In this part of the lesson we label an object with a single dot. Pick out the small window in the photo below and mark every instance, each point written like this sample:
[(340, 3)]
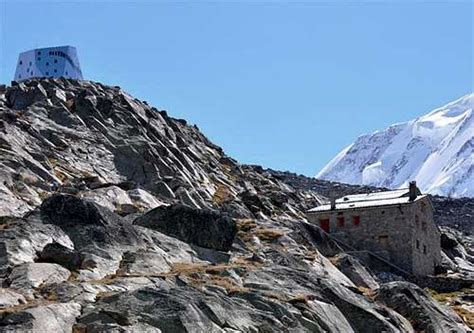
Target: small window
[(67, 73), (340, 221), (47, 73), (30, 63), (383, 240), (423, 225), (19, 76), (47, 63), (55, 70), (417, 244), (382, 212), (355, 220), (39, 52), (39, 58), (424, 249), (324, 224), (55, 61), (21, 62)]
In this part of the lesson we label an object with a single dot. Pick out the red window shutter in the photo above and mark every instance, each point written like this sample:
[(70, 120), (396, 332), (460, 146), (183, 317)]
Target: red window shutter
[(356, 220), (340, 221), (324, 224)]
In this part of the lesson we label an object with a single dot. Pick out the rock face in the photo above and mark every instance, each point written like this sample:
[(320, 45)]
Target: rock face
[(355, 271), (25, 278), (115, 217), (202, 227), (415, 304), (59, 317), (10, 298)]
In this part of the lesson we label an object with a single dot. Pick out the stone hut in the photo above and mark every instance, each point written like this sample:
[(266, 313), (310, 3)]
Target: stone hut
[(397, 225)]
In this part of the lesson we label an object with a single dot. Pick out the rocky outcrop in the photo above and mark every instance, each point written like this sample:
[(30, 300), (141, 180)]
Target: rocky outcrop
[(423, 312), (104, 243), (22, 239), (59, 317), (9, 298), (202, 227), (118, 217), (355, 271), (26, 277)]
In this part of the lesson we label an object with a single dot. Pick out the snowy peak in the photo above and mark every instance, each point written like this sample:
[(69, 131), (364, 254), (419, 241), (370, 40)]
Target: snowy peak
[(436, 150)]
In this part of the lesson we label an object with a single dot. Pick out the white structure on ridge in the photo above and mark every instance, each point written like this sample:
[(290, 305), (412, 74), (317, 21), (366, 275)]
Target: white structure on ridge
[(49, 62)]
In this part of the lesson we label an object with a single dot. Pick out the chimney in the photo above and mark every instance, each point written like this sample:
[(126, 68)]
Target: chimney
[(413, 191), (333, 203)]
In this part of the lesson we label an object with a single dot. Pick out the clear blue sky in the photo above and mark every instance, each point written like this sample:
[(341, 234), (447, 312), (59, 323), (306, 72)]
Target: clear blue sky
[(282, 84)]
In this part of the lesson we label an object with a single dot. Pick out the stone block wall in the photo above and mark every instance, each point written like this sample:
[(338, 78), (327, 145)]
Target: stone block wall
[(389, 229)]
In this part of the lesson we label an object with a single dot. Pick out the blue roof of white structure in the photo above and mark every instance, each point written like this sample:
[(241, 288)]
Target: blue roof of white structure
[(388, 198)]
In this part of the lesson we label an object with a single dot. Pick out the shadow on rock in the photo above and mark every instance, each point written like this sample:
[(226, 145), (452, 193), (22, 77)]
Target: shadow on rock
[(201, 227)]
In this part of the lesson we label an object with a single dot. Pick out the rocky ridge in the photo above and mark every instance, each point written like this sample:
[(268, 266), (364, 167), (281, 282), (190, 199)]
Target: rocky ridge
[(117, 217)]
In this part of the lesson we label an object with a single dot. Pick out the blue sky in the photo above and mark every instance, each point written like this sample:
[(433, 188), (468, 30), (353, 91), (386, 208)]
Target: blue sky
[(282, 84)]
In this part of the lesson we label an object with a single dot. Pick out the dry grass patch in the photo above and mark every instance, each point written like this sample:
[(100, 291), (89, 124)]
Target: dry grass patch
[(217, 269), (187, 268), (269, 234), (311, 256), (61, 175), (448, 298), (53, 161), (22, 307), (466, 315), (103, 294), (224, 282), (221, 195), (73, 277), (248, 229), (367, 292), (299, 299), (43, 195), (246, 225)]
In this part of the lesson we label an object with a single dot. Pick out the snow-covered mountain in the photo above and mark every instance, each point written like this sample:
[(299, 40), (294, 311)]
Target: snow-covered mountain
[(436, 150)]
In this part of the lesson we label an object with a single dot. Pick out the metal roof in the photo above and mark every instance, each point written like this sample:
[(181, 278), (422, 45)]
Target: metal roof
[(397, 197), (374, 196)]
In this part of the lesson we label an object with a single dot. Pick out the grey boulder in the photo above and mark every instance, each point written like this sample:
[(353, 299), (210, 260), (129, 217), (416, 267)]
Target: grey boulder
[(415, 304), (27, 277), (354, 270), (10, 298), (201, 227), (58, 318)]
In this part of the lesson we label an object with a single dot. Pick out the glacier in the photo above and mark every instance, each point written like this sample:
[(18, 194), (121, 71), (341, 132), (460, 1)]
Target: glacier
[(436, 150)]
